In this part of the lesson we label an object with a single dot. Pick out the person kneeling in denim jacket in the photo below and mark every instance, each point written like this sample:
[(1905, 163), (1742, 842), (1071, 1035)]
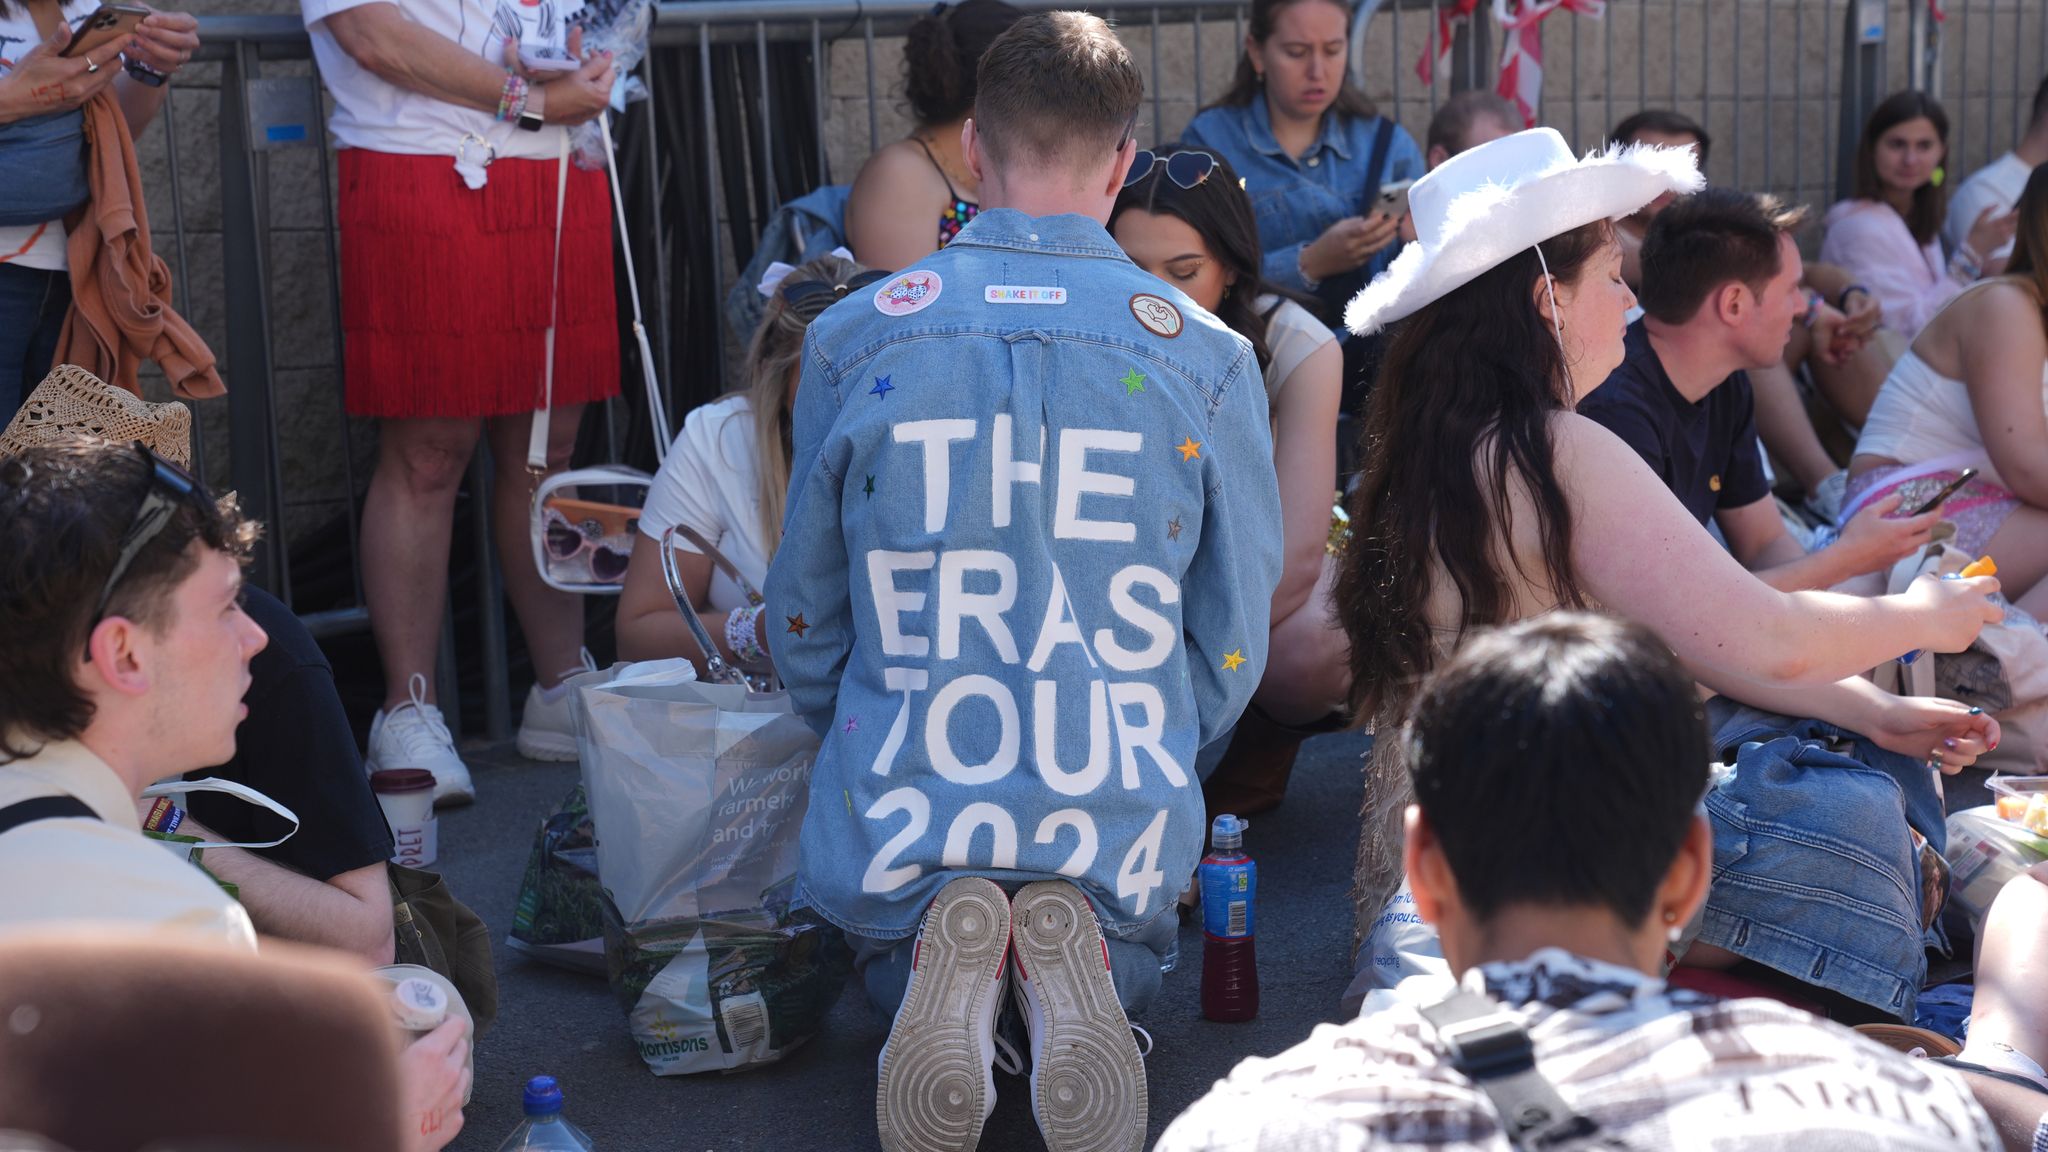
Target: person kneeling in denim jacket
[(1032, 540)]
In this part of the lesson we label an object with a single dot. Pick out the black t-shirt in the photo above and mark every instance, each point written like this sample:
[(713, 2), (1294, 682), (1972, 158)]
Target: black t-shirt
[(296, 748), (1706, 453)]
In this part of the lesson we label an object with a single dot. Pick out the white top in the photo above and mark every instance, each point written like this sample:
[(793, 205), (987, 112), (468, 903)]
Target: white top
[(1922, 415), (1292, 333), (104, 870), (708, 483), (38, 245), (382, 117), (1996, 185)]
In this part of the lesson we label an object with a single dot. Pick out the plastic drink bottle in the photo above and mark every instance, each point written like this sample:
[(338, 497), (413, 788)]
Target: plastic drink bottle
[(544, 1130), (1230, 966)]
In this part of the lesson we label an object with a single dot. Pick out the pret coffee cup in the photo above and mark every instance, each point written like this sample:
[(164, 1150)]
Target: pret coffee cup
[(407, 797)]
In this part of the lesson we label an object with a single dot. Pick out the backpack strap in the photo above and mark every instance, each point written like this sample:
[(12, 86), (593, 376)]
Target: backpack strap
[(44, 808), (1489, 1046), (1376, 163)]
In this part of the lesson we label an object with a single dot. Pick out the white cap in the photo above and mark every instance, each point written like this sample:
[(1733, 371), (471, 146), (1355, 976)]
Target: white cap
[(419, 1004)]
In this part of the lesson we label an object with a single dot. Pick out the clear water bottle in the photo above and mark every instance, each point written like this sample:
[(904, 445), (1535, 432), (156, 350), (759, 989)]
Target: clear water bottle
[(1230, 965), (544, 1129)]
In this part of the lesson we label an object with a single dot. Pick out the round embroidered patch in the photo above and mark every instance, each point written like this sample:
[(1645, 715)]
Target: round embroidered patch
[(913, 291), (1157, 314)]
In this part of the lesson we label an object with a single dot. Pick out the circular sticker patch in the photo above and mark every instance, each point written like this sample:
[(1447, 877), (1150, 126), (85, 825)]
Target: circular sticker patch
[(913, 291), (1157, 314)]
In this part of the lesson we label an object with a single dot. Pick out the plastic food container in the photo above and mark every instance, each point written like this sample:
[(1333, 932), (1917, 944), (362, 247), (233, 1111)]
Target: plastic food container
[(2023, 800), (1984, 853)]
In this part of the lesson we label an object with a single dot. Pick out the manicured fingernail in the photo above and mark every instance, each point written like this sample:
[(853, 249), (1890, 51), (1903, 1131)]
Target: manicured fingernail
[(1949, 743), (1976, 711)]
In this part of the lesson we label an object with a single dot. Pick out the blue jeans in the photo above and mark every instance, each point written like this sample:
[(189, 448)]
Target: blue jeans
[(884, 965), (32, 306)]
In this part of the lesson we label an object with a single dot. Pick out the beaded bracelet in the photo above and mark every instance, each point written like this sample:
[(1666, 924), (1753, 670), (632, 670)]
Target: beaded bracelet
[(512, 101), (742, 636), (164, 817), (1966, 264)]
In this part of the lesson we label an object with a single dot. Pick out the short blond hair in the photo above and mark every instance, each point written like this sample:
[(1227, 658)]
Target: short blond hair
[(1057, 89)]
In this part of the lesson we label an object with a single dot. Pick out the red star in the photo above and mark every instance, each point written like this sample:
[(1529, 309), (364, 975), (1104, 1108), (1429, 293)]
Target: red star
[(797, 627)]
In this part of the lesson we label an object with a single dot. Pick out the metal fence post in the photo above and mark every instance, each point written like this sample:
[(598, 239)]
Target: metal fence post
[(1863, 79), (252, 463)]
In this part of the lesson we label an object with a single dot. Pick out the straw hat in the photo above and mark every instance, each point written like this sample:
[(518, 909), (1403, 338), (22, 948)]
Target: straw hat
[(1485, 204), (73, 402)]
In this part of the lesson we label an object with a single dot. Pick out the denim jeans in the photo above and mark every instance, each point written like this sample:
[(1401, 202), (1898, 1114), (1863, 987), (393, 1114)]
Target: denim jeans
[(32, 306)]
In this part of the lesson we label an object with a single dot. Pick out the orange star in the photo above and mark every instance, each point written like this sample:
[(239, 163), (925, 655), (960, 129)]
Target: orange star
[(1232, 660), (797, 625), (1189, 448)]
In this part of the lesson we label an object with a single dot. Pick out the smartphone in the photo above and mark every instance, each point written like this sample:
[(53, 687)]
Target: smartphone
[(1392, 201), (1967, 475), (539, 60), (108, 24)]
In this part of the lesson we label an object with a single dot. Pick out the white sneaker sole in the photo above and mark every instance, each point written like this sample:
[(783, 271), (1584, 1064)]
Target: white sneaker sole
[(932, 1091), (1087, 1078), (554, 747)]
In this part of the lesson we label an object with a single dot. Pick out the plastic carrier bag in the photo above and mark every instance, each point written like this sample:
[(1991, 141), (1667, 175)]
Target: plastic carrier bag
[(560, 915), (697, 793)]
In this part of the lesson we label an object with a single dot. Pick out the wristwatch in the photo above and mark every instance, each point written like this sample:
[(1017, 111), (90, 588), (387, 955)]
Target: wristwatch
[(530, 120)]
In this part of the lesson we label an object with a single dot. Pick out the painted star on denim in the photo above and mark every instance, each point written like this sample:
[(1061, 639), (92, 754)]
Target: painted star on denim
[(797, 627), (853, 723), (1232, 660), (869, 488), (1173, 528), (1189, 448), (1133, 381), (882, 387)]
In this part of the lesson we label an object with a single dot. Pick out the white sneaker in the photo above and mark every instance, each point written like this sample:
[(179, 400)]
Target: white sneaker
[(413, 735), (1087, 1075), (547, 728), (935, 1087)]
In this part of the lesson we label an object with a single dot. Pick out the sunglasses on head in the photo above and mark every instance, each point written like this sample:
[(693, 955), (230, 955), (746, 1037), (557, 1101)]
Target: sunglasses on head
[(813, 296), (169, 487), (608, 555), (1187, 169)]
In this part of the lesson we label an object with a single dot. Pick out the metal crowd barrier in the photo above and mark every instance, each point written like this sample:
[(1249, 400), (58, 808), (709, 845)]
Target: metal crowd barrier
[(1785, 110)]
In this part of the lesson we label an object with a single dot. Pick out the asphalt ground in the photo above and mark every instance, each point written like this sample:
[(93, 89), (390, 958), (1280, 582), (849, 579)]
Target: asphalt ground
[(569, 1026)]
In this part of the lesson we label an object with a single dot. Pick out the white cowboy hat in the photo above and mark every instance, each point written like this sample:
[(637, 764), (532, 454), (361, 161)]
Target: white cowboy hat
[(1487, 203)]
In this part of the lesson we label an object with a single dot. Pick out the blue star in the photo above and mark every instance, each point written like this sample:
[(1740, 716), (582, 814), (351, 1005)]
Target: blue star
[(882, 387)]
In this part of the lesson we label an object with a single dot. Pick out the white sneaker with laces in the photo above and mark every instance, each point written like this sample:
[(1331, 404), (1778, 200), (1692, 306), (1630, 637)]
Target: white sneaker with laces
[(935, 1087), (413, 735), (547, 728), (1087, 1075)]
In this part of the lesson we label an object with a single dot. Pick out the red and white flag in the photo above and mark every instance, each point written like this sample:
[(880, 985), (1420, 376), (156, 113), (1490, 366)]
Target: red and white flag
[(1521, 56), (1438, 52)]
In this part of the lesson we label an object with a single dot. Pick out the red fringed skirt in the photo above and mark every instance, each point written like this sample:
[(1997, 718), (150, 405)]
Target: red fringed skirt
[(445, 291)]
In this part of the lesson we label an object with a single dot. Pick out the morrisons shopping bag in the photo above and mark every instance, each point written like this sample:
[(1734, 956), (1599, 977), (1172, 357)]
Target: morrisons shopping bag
[(697, 793), (560, 917)]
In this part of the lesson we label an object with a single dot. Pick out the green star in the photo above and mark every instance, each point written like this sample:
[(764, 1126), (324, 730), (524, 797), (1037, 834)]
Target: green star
[(1133, 381), (870, 488)]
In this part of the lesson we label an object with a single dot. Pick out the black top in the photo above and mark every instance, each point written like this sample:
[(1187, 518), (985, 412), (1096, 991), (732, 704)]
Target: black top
[(1706, 453), (296, 747)]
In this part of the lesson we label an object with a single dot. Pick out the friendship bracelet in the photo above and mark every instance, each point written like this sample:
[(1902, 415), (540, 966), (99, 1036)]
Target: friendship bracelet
[(164, 817), (512, 101), (1842, 301)]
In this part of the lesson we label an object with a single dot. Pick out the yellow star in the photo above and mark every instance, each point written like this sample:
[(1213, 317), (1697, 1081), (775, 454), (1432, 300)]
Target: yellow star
[(1232, 660), (1189, 448)]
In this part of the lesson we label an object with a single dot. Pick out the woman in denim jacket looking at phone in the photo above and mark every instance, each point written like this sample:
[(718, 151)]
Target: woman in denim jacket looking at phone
[(43, 152), (1305, 141)]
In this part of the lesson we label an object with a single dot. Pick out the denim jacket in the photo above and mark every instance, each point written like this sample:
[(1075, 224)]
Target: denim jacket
[(1815, 872), (1297, 198), (1032, 536)]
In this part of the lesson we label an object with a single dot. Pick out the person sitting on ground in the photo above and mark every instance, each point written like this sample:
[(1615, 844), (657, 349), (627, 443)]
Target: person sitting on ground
[(1184, 219), (726, 478), (1487, 499), (1019, 434), (1311, 147), (1557, 844), (1886, 237), (1969, 393), (1996, 187), (912, 197), (1720, 295), (1664, 128), (132, 670)]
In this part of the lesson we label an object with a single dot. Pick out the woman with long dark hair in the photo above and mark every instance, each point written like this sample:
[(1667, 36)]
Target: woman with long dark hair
[(1888, 236), (1183, 218), (914, 195), (1311, 147), (1487, 499)]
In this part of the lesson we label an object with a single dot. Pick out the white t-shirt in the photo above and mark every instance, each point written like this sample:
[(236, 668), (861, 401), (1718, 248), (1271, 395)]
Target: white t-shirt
[(708, 483), (382, 117), (34, 245), (1997, 184), (1292, 333)]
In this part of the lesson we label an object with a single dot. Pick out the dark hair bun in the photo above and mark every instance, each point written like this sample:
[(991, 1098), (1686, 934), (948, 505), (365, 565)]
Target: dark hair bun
[(941, 52)]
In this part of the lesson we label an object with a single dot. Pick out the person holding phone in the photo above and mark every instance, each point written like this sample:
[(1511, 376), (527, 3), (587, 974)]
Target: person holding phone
[(451, 118), (1313, 150), (1960, 399), (45, 81)]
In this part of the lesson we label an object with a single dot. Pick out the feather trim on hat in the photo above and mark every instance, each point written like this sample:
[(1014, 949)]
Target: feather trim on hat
[(1484, 210)]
